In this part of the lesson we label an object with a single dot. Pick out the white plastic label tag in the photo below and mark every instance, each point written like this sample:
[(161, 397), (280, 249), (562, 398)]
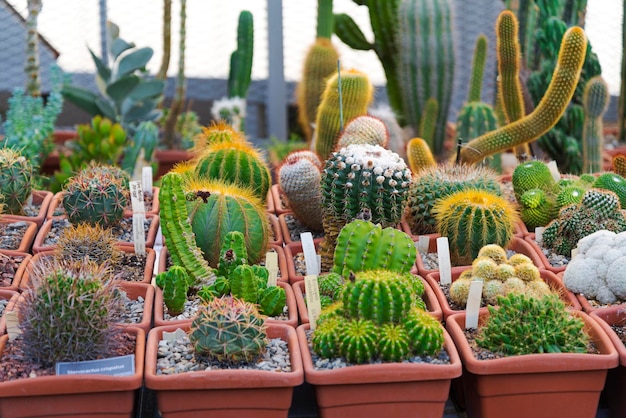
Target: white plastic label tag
[(313, 304), (423, 243), (443, 255), (271, 264), (472, 308), (310, 255), (146, 178)]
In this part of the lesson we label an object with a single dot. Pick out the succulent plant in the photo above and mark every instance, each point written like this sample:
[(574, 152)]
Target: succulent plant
[(619, 165), (419, 155), (596, 99), (86, 241), (16, 180), (613, 182), (216, 133), (364, 129), (175, 283)]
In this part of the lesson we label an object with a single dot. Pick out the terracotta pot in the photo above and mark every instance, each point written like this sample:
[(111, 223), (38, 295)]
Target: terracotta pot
[(550, 278), (19, 272), (56, 211), (26, 241), (381, 390), (279, 207), (292, 310), (517, 244), (291, 252), (146, 291), (42, 198), (585, 304), (74, 395), (51, 163), (167, 159), (534, 385), (530, 238), (277, 233), (287, 236), (615, 386), (225, 393), (9, 296)]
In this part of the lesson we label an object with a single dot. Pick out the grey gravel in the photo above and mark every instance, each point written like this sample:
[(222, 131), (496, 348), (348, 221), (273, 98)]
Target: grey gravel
[(122, 232), (133, 309), (555, 260), (296, 227)]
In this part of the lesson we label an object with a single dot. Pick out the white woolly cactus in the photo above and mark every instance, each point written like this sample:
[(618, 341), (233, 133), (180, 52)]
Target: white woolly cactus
[(598, 270)]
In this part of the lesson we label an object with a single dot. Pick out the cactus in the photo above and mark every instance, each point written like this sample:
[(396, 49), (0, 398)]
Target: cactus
[(95, 196), (547, 112), (73, 306), (85, 241), (536, 192), (331, 285), (619, 165), (216, 133), (425, 26), (357, 93), (595, 101), (363, 129), (17, 178), (361, 245), (613, 182), (101, 141), (397, 139), (229, 330), (357, 179), (241, 59), (31, 68), (527, 325), (424, 331), (232, 254), (394, 342), (437, 182), (472, 219), (237, 163), (174, 283), (419, 155), (509, 63), (299, 177)]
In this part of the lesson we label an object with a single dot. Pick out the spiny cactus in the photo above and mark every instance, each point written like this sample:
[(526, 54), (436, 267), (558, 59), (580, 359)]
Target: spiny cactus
[(299, 177), (74, 307), (419, 155), (471, 219), (174, 283), (536, 193), (424, 332), (356, 92), (232, 254), (16, 180), (216, 133), (241, 59), (509, 63), (619, 165), (95, 196), (613, 182), (397, 139), (364, 129), (228, 329), (595, 101), (357, 179), (437, 182), (85, 241), (527, 325)]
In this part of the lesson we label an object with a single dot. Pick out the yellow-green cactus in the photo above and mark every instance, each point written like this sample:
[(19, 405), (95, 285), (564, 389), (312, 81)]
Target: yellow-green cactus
[(419, 155)]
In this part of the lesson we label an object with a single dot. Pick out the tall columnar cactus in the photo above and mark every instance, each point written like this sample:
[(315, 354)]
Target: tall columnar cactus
[(175, 283), (595, 101), (357, 179), (419, 155), (434, 183), (299, 177), (241, 59), (364, 129), (361, 245), (425, 59), (547, 112), (228, 329), (95, 196), (472, 219), (237, 163), (356, 92), (31, 68), (17, 177)]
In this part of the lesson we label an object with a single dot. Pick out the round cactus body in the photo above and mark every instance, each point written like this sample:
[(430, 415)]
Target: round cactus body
[(364, 129), (613, 182), (16, 180), (425, 332)]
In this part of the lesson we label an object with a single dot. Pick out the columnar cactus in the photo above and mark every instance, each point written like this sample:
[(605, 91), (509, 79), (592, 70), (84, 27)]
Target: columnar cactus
[(175, 283), (419, 155), (241, 59), (364, 129), (595, 101), (16, 180)]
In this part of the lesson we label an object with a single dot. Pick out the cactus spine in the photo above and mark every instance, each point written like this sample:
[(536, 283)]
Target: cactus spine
[(595, 101), (17, 177), (174, 283), (425, 26), (84, 241)]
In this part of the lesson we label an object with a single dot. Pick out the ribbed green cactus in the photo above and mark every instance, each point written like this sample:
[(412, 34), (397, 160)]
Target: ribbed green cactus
[(241, 59), (364, 129), (16, 180), (536, 192), (237, 163), (174, 283), (595, 101), (509, 64), (613, 182), (95, 196), (217, 132), (547, 112), (228, 329), (532, 175), (244, 283), (436, 182), (232, 254), (362, 245), (472, 219), (419, 156), (299, 177), (357, 179), (356, 92), (425, 56), (424, 332)]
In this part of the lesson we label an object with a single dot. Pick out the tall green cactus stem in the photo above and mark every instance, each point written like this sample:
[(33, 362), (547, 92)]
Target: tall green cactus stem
[(357, 93), (244, 283), (167, 40), (425, 26), (509, 63), (478, 69), (595, 101), (174, 283), (299, 178), (241, 59), (237, 163), (472, 219), (419, 155), (357, 179), (362, 245), (428, 121), (16, 180), (176, 227), (547, 112), (364, 129), (31, 68)]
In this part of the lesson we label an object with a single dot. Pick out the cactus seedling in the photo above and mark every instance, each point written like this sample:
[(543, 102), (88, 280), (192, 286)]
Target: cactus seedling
[(174, 283)]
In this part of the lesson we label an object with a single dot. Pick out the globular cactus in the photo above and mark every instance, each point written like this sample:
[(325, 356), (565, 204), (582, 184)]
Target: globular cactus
[(613, 182), (472, 219), (17, 178), (362, 245), (424, 332), (299, 177), (357, 179), (364, 129), (548, 111), (528, 325), (595, 101), (331, 285), (95, 196), (434, 183), (599, 209), (175, 283), (356, 92), (425, 26), (228, 329), (419, 155), (85, 241), (532, 175), (236, 163), (218, 132), (536, 193)]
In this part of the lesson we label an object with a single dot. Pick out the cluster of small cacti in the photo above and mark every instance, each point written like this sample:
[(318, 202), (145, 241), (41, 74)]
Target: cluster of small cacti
[(16, 180), (228, 329), (175, 284), (500, 275), (599, 209), (392, 326), (85, 241), (526, 325)]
